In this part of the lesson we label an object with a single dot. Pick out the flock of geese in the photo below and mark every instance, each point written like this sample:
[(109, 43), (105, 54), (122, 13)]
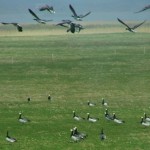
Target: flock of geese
[(75, 27), (70, 25), (77, 136)]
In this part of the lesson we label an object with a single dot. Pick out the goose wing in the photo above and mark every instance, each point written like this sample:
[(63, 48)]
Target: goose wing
[(33, 14), (123, 23), (136, 26), (73, 11), (145, 8), (82, 16)]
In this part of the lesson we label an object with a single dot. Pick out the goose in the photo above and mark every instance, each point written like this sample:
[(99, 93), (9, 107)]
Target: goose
[(131, 29), (48, 8), (91, 104), (116, 120), (19, 27), (23, 119), (75, 138), (37, 18), (28, 99), (146, 117), (79, 134), (10, 139), (90, 119), (75, 16), (77, 117), (64, 23), (49, 97), (103, 102), (72, 28), (107, 115), (143, 9), (144, 122), (102, 135)]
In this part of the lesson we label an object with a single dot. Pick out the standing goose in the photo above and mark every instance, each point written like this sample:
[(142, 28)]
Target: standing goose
[(146, 117), (102, 135), (90, 119), (143, 9), (36, 18), (144, 122), (48, 8), (107, 115), (79, 134), (10, 139), (77, 17), (19, 27), (91, 104), (75, 138), (23, 119), (131, 29), (49, 97), (28, 99), (103, 102), (116, 120), (75, 117)]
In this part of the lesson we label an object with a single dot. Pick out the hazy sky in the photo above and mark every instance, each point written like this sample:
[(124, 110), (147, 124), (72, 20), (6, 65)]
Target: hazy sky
[(17, 10)]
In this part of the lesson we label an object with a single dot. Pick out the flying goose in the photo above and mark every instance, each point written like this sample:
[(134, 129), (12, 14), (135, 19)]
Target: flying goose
[(144, 122), (37, 18), (103, 102), (77, 17), (77, 117), (107, 115), (48, 8), (79, 134), (143, 9), (146, 117), (23, 119), (116, 120), (75, 138), (102, 135), (90, 119), (131, 29), (72, 28), (64, 23), (91, 104), (10, 139), (19, 27)]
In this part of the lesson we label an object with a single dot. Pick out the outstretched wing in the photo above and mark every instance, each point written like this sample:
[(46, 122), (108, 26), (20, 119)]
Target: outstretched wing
[(123, 22), (33, 14), (145, 8), (73, 11), (5, 23), (85, 14), (136, 26)]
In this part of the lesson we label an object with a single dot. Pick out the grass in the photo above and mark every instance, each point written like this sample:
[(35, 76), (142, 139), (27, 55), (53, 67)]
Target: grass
[(74, 68)]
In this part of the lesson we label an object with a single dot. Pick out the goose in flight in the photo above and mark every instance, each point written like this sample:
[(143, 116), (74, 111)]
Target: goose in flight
[(43, 21), (143, 9), (131, 29), (77, 17), (48, 8), (19, 27)]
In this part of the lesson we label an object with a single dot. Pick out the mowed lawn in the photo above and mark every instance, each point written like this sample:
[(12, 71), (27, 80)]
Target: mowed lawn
[(74, 68)]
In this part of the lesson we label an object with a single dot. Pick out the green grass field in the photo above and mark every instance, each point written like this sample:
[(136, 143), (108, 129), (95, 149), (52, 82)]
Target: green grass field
[(97, 63)]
